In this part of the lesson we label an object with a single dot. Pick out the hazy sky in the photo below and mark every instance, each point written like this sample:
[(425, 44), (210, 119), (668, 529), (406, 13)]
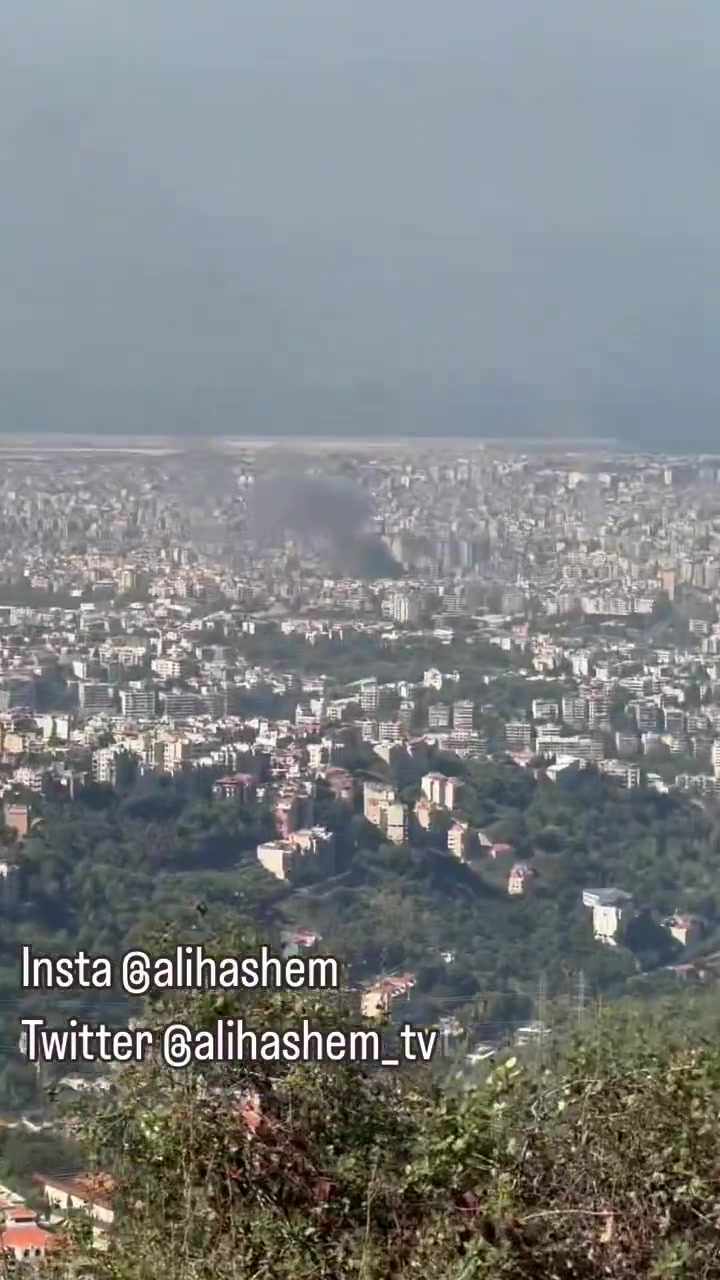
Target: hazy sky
[(277, 213)]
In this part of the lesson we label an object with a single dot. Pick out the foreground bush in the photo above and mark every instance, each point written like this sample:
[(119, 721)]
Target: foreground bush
[(603, 1164)]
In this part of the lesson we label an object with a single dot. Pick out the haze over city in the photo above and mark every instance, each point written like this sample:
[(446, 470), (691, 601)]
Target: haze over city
[(359, 640), (494, 219)]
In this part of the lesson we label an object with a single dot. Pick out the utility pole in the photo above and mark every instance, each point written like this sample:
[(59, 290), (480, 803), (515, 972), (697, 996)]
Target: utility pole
[(581, 996), (541, 1020)]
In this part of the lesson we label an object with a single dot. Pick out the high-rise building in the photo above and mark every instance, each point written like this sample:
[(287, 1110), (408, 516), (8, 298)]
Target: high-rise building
[(405, 608), (518, 733), (439, 716), (93, 695), (138, 702), (369, 695), (394, 820), (183, 706), (17, 691), (463, 715)]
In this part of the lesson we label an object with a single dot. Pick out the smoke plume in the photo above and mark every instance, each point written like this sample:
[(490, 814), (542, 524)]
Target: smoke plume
[(326, 514)]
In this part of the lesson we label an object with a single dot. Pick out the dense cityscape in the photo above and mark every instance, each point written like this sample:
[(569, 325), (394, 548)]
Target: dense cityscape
[(359, 641), (596, 575), (447, 711)]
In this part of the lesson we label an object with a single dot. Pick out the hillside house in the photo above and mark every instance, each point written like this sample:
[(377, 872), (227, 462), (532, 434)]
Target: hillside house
[(520, 879), (377, 999), (23, 1239), (609, 907)]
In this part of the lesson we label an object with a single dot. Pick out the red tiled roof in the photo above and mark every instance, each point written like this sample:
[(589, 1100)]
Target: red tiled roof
[(31, 1237), (19, 1214)]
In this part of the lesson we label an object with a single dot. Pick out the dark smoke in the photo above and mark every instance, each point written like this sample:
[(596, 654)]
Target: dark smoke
[(366, 556), (302, 504), (326, 515)]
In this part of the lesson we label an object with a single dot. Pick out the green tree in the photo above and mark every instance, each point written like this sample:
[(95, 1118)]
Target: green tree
[(597, 1160)]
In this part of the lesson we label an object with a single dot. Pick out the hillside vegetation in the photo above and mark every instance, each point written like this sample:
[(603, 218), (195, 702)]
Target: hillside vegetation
[(600, 1162), (97, 873)]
